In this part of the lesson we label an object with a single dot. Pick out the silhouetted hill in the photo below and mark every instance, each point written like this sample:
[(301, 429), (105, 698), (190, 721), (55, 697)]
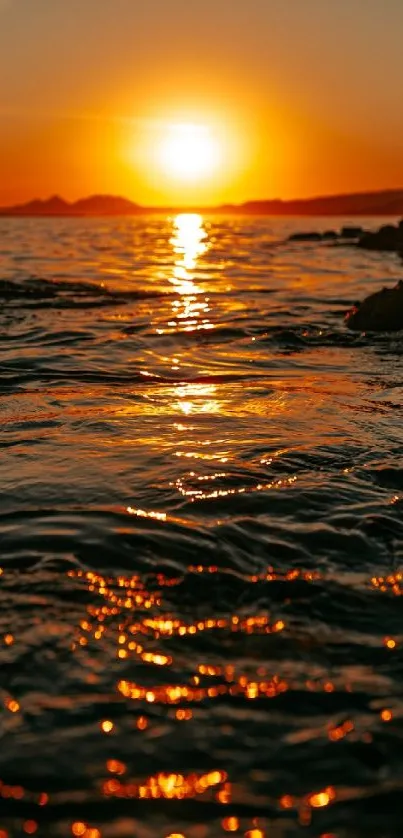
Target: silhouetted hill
[(94, 205), (389, 202), (386, 202), (52, 206), (105, 205)]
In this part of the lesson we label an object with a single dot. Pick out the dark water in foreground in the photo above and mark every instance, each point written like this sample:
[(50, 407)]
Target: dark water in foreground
[(201, 534)]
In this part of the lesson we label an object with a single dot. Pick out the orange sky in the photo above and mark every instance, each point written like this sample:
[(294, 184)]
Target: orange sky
[(303, 96)]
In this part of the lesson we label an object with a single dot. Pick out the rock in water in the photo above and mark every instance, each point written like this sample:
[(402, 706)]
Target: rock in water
[(380, 312), (305, 237), (351, 232), (387, 237)]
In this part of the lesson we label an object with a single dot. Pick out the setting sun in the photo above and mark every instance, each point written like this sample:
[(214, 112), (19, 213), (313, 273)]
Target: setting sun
[(189, 152)]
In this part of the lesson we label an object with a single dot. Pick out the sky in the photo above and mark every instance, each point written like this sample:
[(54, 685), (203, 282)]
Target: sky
[(298, 97)]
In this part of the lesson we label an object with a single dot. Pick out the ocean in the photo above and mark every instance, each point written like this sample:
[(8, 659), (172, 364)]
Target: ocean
[(201, 533)]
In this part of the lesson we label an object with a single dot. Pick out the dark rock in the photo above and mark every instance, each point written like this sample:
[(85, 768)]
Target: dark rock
[(387, 237), (328, 235), (380, 312), (351, 232), (305, 237)]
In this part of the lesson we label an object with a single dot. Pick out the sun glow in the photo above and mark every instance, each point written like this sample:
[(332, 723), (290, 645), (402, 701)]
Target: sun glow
[(189, 152)]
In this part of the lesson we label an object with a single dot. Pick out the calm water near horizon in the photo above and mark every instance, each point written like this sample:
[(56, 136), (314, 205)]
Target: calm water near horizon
[(201, 533)]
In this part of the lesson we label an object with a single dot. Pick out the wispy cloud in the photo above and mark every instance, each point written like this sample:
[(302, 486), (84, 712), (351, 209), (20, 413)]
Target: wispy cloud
[(38, 114), (17, 112)]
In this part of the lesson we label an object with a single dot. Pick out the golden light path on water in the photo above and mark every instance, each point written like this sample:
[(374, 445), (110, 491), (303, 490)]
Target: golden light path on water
[(189, 243), (190, 311)]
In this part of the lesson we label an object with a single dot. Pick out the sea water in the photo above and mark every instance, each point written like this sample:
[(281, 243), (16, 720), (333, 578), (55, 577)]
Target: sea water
[(200, 531)]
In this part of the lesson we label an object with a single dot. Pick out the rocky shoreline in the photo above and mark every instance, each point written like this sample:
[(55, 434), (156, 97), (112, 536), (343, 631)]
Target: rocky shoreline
[(383, 310)]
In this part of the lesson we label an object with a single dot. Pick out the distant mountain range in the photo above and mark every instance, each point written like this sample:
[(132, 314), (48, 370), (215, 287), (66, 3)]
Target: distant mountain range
[(387, 202)]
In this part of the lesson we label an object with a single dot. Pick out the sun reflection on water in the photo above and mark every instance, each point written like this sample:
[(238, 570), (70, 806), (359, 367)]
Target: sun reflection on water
[(196, 398), (189, 242), (190, 309)]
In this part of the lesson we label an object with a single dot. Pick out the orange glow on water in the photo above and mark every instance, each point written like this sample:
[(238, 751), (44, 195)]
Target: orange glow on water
[(168, 786), (287, 802), (114, 766), (230, 824), (341, 731), (12, 706), (391, 583), (82, 830), (134, 611), (30, 827), (129, 611), (323, 798), (107, 726), (184, 715)]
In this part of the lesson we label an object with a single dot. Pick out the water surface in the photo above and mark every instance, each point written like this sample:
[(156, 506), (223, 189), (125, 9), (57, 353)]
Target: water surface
[(201, 533)]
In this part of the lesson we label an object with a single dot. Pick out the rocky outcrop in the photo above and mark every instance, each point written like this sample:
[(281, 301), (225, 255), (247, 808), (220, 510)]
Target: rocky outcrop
[(346, 233), (380, 312), (351, 232), (387, 237), (383, 310), (305, 237)]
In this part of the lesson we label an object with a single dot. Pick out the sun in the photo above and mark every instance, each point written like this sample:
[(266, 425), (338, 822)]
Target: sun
[(189, 152)]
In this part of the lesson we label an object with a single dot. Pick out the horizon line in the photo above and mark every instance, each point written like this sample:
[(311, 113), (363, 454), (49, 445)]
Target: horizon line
[(112, 204)]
